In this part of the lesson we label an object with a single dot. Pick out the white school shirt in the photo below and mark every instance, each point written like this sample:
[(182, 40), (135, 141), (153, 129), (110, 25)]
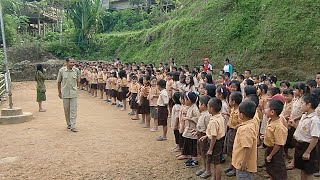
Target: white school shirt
[(308, 127), (175, 114)]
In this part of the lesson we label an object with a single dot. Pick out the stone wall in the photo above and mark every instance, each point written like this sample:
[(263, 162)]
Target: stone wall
[(25, 70)]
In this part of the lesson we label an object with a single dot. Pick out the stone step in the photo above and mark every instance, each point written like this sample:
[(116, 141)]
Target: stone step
[(11, 112), (24, 117)]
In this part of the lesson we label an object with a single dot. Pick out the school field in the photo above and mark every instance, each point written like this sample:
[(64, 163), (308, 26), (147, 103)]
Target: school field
[(108, 145)]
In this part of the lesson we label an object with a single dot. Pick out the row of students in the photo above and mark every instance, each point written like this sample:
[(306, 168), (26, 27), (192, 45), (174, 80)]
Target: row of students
[(144, 91)]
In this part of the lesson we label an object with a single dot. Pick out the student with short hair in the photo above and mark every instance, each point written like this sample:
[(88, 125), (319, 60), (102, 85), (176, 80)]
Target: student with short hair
[(312, 84), (284, 85), (133, 94), (163, 101), (300, 90), (288, 96), (234, 101), (144, 104), (123, 89), (275, 138), (307, 134), (318, 79), (244, 154), (153, 97), (114, 87), (202, 146), (101, 82), (215, 134)]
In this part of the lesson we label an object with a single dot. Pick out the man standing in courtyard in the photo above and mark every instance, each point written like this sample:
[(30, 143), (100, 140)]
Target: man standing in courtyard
[(68, 79)]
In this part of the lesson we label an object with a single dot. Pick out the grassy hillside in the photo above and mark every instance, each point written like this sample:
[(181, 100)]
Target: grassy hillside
[(267, 36)]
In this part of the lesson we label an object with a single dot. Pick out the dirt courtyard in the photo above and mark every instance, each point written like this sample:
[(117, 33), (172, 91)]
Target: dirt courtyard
[(108, 145)]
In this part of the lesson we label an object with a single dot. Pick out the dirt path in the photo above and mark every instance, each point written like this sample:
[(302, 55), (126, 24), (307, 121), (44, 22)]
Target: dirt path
[(107, 146)]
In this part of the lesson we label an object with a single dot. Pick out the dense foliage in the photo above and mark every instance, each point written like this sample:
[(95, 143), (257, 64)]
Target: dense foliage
[(279, 37)]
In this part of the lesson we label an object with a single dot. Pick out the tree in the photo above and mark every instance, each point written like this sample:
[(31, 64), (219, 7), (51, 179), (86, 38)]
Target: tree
[(85, 15)]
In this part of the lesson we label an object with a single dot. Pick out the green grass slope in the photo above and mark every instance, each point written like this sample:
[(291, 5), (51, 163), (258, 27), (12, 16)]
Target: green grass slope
[(267, 36)]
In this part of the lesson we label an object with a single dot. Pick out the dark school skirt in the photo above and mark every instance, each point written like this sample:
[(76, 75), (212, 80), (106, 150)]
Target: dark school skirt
[(181, 140), (291, 142), (114, 93), (202, 146), (101, 86), (145, 106), (133, 102), (108, 92), (176, 136), (276, 168), (190, 147), (162, 116), (229, 140), (94, 86), (171, 103), (216, 156), (83, 80), (308, 166), (123, 94)]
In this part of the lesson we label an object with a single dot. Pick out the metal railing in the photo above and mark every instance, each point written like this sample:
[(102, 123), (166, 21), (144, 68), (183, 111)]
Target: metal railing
[(2, 85)]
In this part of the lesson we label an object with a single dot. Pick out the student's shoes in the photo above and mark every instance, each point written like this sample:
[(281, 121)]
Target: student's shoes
[(223, 160), (205, 175), (201, 171), (288, 156), (161, 138), (188, 161), (74, 130), (153, 130), (317, 174), (231, 173), (192, 164), (145, 126), (262, 165), (68, 127), (228, 169)]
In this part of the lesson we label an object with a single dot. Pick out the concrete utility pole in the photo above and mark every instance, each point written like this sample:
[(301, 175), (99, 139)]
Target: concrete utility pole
[(10, 115), (5, 61)]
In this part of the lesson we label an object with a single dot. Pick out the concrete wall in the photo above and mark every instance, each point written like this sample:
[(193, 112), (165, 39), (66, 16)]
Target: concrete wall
[(25, 71), (118, 5)]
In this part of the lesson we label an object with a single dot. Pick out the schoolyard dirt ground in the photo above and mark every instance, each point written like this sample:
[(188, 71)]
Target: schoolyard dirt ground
[(108, 145)]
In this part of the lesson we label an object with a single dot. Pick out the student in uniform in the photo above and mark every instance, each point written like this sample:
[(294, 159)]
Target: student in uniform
[(144, 108), (202, 146), (114, 87), (307, 134), (300, 90), (234, 100), (133, 93), (101, 82), (153, 97), (191, 119), (175, 119), (163, 101), (244, 154), (94, 82), (123, 87), (215, 134), (108, 87), (169, 84), (275, 138)]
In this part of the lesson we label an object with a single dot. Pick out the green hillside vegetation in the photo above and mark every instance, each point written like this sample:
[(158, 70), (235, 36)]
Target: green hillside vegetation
[(267, 36)]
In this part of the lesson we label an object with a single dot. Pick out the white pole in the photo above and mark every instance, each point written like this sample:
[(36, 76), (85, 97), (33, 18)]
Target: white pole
[(5, 61)]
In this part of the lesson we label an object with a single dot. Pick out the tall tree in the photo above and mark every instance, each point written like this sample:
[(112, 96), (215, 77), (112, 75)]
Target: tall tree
[(85, 15)]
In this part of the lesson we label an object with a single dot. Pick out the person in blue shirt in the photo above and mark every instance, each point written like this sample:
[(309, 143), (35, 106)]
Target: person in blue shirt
[(227, 67)]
